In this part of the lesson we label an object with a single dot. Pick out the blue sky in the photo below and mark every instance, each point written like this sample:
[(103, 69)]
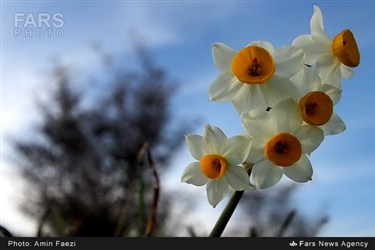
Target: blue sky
[(180, 35)]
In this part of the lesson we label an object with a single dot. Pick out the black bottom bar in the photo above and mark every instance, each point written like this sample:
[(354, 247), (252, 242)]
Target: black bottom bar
[(187, 243)]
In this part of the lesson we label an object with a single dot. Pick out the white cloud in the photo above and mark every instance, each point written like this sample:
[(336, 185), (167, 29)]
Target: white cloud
[(18, 96), (11, 193)]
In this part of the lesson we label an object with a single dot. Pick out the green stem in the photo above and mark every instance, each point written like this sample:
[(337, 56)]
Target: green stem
[(226, 214), (229, 209)]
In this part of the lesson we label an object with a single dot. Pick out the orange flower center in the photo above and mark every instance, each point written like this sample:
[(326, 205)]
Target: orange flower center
[(345, 49), (316, 108), (283, 149), (213, 166), (253, 65)]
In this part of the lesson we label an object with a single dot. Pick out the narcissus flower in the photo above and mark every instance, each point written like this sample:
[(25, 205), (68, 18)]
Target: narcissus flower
[(255, 77), (333, 59), (219, 163), (316, 101), (280, 143)]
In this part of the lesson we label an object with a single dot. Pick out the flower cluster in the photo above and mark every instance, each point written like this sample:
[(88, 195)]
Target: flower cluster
[(285, 97)]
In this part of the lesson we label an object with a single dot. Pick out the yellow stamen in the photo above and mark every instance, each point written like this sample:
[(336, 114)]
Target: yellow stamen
[(213, 166), (253, 65), (316, 108), (345, 49), (283, 149)]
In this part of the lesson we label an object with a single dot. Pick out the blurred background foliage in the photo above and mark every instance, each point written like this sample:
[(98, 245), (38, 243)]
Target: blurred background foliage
[(95, 164)]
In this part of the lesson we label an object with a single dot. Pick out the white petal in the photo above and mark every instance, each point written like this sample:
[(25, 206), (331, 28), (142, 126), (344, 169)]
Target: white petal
[(256, 154), (224, 88), (238, 178), (196, 146), (316, 25), (346, 72), (266, 174), (277, 88), (259, 124), (288, 61), (216, 190), (310, 137), (215, 139), (333, 92), (306, 80), (223, 55), (301, 171), (313, 50), (194, 175), (334, 126), (237, 149), (250, 97), (328, 68), (286, 115), (265, 45)]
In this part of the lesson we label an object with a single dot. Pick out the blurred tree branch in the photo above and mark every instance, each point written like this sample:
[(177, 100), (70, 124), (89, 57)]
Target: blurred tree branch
[(145, 153), (4, 232), (81, 162)]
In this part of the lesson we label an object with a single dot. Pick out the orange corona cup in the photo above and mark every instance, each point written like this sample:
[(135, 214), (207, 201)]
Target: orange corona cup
[(253, 65), (316, 108), (213, 166), (283, 149), (345, 49)]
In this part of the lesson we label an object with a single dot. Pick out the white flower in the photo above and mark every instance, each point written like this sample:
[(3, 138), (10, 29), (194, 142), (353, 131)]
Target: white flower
[(255, 77), (333, 59), (280, 143), (316, 101), (219, 163)]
